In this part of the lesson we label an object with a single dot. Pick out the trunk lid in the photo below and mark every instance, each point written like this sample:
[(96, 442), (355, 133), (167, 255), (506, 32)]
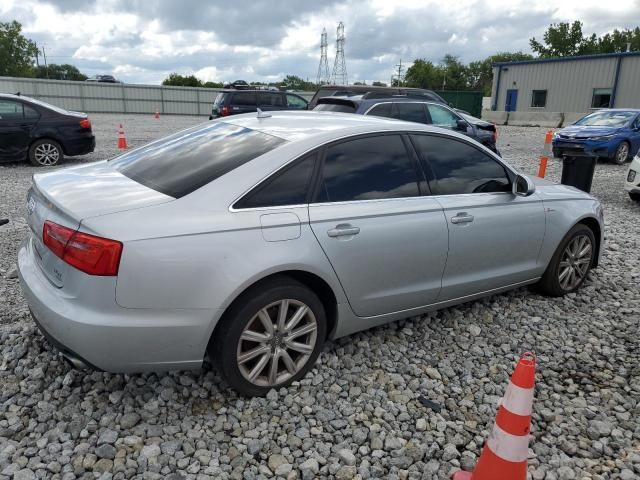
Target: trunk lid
[(70, 195)]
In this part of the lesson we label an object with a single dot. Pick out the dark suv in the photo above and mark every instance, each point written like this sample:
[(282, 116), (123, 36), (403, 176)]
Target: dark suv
[(414, 109), (233, 102), (381, 92)]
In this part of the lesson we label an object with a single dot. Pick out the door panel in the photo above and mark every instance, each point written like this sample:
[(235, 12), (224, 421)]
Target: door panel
[(15, 131), (389, 254), (494, 241)]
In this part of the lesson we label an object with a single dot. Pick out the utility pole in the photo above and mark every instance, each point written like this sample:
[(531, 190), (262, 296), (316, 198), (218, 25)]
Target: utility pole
[(46, 69), (400, 73), (323, 69), (339, 74)]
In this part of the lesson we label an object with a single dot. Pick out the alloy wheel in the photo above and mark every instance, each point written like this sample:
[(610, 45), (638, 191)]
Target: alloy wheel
[(575, 262), (47, 154), (277, 342), (622, 154)]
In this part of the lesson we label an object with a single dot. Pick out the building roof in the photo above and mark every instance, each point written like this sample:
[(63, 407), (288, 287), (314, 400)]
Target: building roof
[(567, 59)]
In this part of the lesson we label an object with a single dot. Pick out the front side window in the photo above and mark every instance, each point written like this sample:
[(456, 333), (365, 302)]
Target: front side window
[(289, 187), (442, 117), (601, 98), (294, 101), (410, 112), (245, 98), (366, 169), (10, 110), (459, 167), (185, 161), (539, 98)]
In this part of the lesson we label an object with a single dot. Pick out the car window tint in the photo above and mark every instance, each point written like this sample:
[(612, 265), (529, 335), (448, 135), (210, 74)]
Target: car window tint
[(411, 112), (289, 187), (271, 99), (30, 113), (294, 101), (245, 98), (459, 167), (366, 169), (381, 110), (10, 110), (335, 107), (441, 117), (185, 161)]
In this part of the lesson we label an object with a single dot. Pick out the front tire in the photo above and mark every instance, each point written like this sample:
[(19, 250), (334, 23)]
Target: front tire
[(270, 337), (621, 156), (570, 263), (45, 153)]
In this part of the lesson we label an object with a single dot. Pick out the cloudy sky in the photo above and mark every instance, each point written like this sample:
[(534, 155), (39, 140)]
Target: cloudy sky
[(142, 41)]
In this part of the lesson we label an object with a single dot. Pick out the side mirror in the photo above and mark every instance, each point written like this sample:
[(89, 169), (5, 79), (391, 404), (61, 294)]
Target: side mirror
[(523, 186), (461, 125)]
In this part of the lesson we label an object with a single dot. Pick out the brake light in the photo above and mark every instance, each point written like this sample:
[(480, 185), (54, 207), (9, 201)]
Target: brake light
[(225, 111), (85, 123), (88, 253)]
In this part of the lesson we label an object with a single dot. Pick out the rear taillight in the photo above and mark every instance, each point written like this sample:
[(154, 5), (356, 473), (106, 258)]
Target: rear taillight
[(225, 111), (85, 123), (88, 253), (495, 133)]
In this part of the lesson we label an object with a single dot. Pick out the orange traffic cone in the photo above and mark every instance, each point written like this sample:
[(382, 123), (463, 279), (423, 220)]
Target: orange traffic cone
[(546, 152), (122, 141), (504, 456), (157, 115)]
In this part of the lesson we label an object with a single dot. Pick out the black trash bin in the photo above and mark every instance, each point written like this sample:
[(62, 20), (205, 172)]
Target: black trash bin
[(578, 172)]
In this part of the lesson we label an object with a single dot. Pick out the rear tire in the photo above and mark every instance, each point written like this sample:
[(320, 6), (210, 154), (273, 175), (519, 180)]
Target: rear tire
[(270, 337), (570, 264), (634, 196), (45, 153), (621, 156)]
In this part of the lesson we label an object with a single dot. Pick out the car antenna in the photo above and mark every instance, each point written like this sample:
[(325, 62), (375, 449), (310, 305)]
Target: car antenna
[(262, 114)]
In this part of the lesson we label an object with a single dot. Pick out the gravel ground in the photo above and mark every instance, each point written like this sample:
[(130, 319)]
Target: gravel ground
[(356, 415)]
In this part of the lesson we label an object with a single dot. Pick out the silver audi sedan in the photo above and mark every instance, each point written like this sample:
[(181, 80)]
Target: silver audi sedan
[(255, 238)]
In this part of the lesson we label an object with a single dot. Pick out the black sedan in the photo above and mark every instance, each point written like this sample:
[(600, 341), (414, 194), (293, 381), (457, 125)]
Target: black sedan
[(40, 132)]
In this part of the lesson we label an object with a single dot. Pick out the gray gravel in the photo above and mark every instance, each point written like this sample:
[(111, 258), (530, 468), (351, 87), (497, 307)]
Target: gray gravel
[(356, 415)]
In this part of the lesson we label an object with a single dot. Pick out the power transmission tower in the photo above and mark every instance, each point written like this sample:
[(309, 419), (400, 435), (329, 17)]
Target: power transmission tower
[(323, 68), (339, 75)]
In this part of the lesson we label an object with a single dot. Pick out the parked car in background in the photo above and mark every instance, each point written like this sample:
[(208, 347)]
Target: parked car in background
[(41, 133), (103, 79), (611, 133), (233, 102), (632, 184), (256, 238), (413, 109), (351, 90), (238, 85)]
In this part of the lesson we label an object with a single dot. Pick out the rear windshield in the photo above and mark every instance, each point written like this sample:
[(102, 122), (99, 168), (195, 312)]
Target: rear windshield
[(335, 107), (185, 161)]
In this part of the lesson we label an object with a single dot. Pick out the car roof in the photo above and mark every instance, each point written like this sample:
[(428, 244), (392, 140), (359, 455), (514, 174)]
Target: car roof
[(297, 125), (12, 96), (636, 110)]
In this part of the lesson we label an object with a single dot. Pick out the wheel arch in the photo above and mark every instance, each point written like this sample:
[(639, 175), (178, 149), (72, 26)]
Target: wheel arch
[(593, 224), (47, 137)]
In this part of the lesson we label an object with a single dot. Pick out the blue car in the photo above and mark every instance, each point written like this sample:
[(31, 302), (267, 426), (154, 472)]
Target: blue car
[(609, 133)]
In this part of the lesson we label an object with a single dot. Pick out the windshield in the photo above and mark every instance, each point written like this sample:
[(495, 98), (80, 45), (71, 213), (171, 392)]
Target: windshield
[(46, 105), (185, 161), (335, 107), (607, 119)]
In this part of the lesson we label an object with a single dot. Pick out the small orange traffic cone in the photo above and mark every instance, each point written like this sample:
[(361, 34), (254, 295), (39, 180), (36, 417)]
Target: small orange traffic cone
[(122, 141), (546, 151), (504, 456), (157, 115)]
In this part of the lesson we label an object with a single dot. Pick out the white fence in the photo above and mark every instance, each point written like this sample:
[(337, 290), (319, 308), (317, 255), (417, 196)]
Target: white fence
[(115, 97)]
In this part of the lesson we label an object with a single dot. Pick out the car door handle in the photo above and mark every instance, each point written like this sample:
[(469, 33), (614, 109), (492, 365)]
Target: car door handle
[(462, 217), (343, 230)]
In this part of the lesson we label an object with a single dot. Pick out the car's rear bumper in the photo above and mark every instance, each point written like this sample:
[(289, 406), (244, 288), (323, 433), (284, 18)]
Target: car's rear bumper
[(113, 339), (79, 145)]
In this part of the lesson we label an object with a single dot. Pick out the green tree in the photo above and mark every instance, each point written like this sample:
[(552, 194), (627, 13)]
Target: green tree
[(59, 72), (293, 82), (422, 74), (177, 80), (564, 39), (454, 73), (480, 72), (16, 51), (379, 84), (213, 84), (617, 41)]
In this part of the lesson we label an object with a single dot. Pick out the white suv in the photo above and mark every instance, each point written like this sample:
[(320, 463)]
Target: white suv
[(632, 184)]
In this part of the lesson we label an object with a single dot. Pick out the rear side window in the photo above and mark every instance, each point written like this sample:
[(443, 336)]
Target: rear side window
[(245, 98), (289, 187), (381, 110), (411, 112), (185, 161), (30, 113), (442, 117), (368, 168), (460, 168), (335, 107), (271, 99)]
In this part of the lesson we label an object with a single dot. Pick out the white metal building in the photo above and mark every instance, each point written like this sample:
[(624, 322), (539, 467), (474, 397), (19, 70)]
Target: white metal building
[(569, 84)]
